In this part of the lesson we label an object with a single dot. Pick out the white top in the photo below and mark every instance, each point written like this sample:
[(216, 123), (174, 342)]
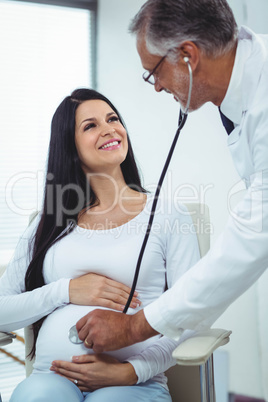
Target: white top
[(240, 254), (172, 248)]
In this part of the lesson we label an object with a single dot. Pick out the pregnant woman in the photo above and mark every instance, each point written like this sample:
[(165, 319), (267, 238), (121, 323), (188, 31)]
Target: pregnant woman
[(89, 233)]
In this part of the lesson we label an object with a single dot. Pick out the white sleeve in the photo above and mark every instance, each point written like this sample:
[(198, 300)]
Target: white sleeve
[(236, 261), (181, 253), (19, 308), (154, 360)]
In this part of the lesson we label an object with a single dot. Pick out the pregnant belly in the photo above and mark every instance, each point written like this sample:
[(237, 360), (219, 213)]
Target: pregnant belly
[(53, 342)]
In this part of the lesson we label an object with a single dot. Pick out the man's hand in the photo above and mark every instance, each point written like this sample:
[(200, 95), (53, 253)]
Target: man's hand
[(104, 330), (91, 372)]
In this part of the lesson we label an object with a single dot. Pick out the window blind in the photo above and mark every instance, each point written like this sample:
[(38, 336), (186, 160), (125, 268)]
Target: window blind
[(46, 52)]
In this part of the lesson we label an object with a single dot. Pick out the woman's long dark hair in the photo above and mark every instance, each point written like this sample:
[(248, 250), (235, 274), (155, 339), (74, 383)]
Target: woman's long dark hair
[(65, 182)]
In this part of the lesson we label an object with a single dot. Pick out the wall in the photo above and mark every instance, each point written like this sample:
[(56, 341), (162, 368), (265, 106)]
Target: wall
[(247, 317), (201, 164)]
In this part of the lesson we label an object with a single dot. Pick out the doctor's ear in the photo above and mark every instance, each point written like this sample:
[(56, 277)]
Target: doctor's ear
[(190, 53)]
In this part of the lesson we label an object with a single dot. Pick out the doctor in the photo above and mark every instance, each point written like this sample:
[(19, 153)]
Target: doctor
[(230, 69)]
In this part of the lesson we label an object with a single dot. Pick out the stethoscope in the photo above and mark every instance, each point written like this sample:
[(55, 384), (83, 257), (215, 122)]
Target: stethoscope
[(73, 335)]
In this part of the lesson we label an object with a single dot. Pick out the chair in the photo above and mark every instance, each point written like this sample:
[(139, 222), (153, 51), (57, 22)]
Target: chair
[(6, 338), (191, 380)]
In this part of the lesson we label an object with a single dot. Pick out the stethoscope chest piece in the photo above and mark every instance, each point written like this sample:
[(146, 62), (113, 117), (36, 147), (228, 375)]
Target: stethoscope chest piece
[(73, 335)]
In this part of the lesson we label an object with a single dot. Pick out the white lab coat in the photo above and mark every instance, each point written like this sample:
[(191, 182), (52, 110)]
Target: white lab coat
[(240, 255)]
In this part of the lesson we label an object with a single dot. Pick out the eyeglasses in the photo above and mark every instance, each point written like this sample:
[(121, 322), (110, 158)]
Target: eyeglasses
[(150, 77)]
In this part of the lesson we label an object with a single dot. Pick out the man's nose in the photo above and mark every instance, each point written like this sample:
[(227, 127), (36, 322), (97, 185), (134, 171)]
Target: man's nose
[(158, 87)]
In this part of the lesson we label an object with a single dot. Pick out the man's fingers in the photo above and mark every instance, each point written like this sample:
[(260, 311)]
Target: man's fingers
[(105, 330), (80, 324), (99, 348), (82, 333), (88, 332), (88, 344), (91, 324)]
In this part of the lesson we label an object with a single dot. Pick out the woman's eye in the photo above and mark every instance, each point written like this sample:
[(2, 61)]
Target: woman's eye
[(114, 118), (89, 126)]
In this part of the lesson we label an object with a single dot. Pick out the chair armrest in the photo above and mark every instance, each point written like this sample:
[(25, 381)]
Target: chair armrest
[(197, 349), (6, 338)]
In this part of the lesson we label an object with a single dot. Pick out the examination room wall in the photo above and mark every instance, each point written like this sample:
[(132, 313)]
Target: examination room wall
[(201, 168)]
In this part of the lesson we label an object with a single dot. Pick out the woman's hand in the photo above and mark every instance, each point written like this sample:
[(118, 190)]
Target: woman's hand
[(96, 290), (91, 372)]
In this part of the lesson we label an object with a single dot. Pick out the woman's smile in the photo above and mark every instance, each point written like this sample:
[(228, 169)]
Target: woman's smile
[(111, 145)]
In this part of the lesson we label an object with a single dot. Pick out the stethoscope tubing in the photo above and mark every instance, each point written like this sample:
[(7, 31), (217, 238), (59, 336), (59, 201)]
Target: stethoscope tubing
[(182, 121)]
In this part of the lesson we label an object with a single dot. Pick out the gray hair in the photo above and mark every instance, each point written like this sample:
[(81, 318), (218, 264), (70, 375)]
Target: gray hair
[(210, 24)]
